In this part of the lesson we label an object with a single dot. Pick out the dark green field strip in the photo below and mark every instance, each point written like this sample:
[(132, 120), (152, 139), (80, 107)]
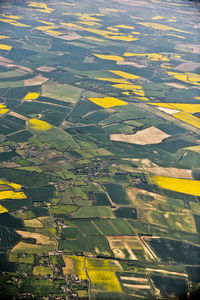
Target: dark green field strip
[(8, 237), (21, 136), (23, 177)]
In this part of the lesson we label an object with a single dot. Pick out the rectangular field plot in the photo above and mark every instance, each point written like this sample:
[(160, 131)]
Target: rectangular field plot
[(137, 284), (103, 264), (127, 247), (74, 265), (179, 221), (87, 245), (93, 212), (104, 280), (87, 226), (116, 193), (172, 250), (122, 226), (105, 226), (169, 285)]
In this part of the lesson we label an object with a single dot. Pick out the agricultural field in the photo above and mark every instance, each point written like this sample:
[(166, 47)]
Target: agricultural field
[(99, 149)]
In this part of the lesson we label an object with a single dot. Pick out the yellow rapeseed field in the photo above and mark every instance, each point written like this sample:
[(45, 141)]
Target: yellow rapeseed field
[(111, 28), (31, 96), (151, 56), (3, 37), (135, 32), (47, 11), (39, 125), (2, 106), (13, 22), (166, 67), (193, 77), (187, 118), (103, 33), (87, 17), (5, 47), (44, 28), (161, 104), (157, 17), (107, 102), (54, 32), (11, 17), (109, 57), (188, 108), (38, 4), (161, 26), (194, 148), (41, 6), (124, 74), (129, 38), (93, 38), (16, 186), (179, 36), (186, 77), (142, 98), (186, 186), (72, 25), (137, 89), (104, 280), (185, 112), (3, 209), (3, 111), (125, 26), (79, 266), (11, 195), (105, 10)]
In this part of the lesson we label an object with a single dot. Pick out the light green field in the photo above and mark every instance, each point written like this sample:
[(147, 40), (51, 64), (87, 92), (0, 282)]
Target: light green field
[(28, 259), (41, 270), (92, 212), (63, 92), (63, 209)]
